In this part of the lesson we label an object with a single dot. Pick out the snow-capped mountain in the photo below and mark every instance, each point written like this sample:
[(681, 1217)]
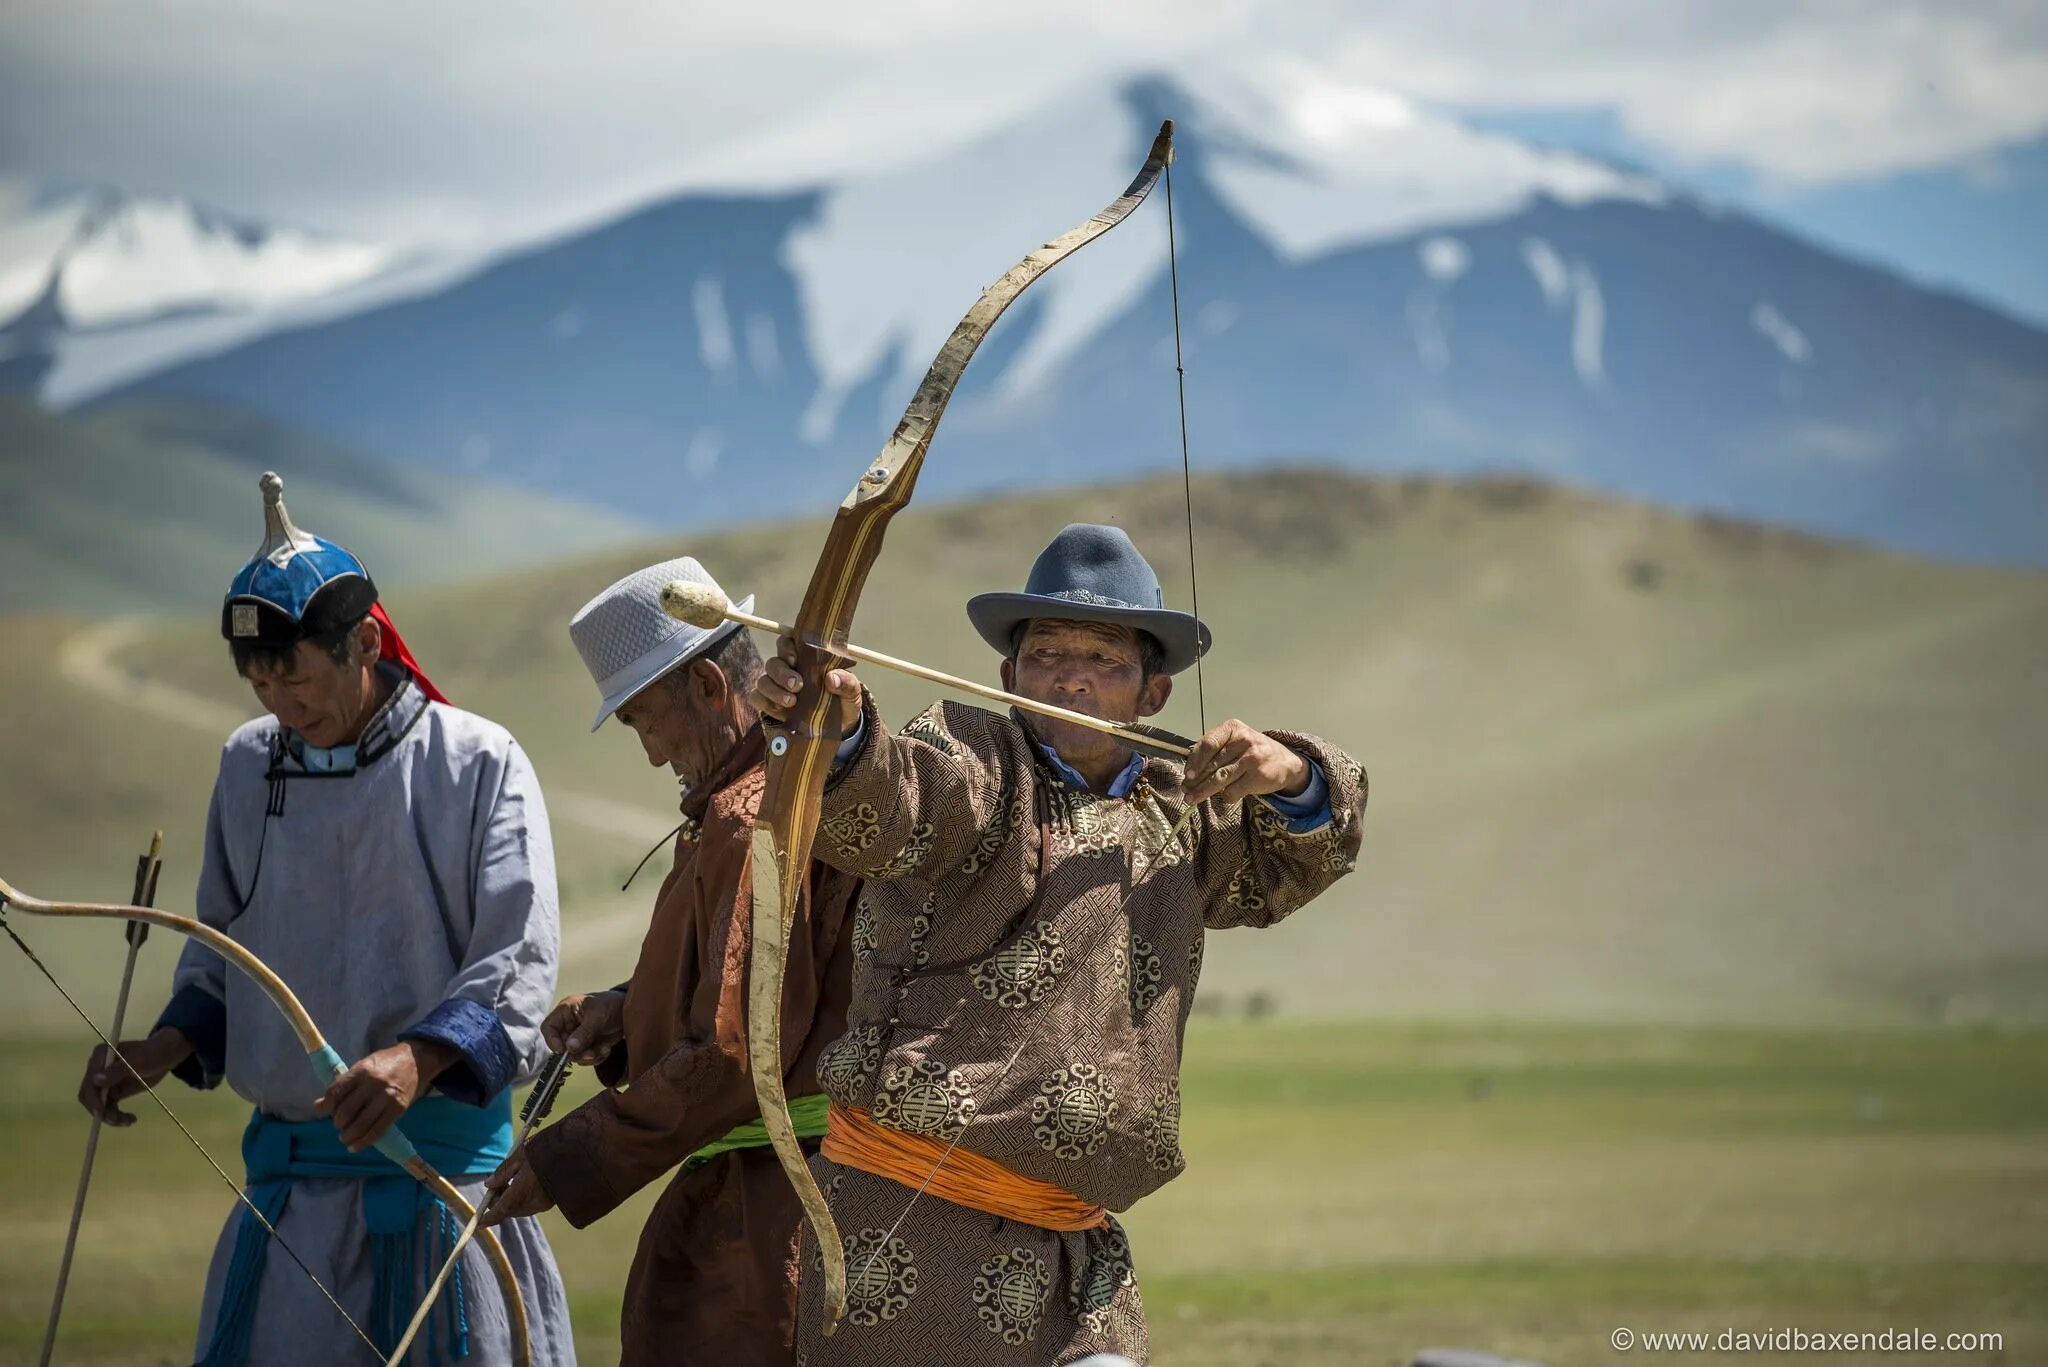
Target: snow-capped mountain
[(1361, 280), (112, 284), (107, 259)]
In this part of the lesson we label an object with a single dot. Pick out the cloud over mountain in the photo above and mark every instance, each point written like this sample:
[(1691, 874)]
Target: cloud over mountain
[(1362, 282)]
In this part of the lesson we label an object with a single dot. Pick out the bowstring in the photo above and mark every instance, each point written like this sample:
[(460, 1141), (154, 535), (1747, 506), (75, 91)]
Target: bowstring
[(1187, 477), (1201, 702), (1172, 838), (114, 1050), (538, 1103)]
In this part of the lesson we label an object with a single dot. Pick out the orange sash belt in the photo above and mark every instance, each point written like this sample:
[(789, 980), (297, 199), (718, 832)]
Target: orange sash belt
[(966, 1179)]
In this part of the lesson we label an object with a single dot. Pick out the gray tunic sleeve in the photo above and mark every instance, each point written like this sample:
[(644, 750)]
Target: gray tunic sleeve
[(198, 1005), (505, 983)]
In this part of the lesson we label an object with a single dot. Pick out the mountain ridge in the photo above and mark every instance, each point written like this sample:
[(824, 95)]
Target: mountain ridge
[(151, 506), (741, 351)]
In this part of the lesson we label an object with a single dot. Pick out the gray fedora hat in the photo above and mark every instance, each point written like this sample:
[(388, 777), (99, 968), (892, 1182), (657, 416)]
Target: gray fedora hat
[(627, 641), (1092, 574)]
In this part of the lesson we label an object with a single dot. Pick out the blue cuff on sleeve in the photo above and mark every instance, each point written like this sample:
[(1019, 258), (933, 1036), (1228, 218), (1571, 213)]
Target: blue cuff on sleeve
[(201, 1018), (488, 1063), (850, 746), (1310, 808)]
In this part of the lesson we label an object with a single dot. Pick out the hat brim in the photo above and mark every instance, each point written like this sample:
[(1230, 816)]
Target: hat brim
[(664, 660), (1184, 637)]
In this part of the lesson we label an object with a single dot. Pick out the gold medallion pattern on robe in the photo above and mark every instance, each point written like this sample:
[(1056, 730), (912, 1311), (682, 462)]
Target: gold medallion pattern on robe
[(925, 1097), (1009, 1294), (863, 932), (853, 829), (1078, 820), (911, 856), (1107, 1273), (1162, 1130), (1024, 970), (1337, 855), (963, 970), (849, 1061), (1243, 892), (921, 929), (1008, 818), (925, 727), (1332, 853), (1145, 974), (1071, 1113), (1158, 844), (880, 1277)]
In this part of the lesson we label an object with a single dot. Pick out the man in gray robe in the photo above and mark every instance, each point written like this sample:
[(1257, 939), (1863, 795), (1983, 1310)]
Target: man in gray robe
[(388, 856)]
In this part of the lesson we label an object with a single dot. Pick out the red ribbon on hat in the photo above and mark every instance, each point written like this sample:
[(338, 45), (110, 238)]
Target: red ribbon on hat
[(394, 649)]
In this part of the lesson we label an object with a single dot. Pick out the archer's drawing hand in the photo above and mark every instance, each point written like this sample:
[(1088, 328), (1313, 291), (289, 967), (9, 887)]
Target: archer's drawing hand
[(107, 1084), (1234, 762), (367, 1100), (587, 1026), (775, 693), (515, 1191)]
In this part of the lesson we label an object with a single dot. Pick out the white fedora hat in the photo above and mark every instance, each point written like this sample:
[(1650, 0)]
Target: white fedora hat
[(627, 641)]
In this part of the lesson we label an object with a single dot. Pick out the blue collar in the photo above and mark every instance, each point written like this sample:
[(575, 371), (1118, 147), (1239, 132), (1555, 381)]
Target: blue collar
[(339, 760), (1120, 786)]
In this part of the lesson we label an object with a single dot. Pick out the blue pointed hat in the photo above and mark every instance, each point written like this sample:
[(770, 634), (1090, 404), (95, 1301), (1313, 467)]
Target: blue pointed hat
[(297, 585)]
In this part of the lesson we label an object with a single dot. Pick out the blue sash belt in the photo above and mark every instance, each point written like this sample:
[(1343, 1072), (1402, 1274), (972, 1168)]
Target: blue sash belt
[(458, 1139)]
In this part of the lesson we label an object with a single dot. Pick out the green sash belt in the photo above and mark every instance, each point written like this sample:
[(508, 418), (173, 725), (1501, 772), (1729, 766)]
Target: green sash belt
[(807, 1112)]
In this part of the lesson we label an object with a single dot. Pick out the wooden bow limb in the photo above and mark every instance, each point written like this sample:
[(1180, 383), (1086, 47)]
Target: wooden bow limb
[(327, 1066), (705, 605), (800, 750), (537, 1106), (144, 894)]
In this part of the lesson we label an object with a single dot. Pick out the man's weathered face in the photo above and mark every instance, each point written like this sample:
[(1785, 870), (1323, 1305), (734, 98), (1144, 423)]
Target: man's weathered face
[(681, 720), (1095, 668), (317, 696)]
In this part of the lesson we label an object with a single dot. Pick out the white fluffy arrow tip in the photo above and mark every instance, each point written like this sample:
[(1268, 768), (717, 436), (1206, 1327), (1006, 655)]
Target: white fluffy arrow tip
[(701, 605)]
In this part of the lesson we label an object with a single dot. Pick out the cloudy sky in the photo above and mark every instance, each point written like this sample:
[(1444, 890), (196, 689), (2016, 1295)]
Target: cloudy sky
[(1913, 131)]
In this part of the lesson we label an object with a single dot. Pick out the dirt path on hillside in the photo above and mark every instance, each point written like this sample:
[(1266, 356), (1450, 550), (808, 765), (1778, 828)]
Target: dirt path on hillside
[(91, 659)]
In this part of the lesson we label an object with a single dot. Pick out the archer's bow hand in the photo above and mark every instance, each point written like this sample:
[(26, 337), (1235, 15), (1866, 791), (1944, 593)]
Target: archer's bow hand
[(775, 693), (367, 1100), (587, 1026), (515, 1190), (1235, 762), (107, 1083)]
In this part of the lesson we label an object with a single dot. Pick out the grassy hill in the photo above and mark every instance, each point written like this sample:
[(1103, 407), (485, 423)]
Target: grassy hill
[(147, 506), (1626, 764)]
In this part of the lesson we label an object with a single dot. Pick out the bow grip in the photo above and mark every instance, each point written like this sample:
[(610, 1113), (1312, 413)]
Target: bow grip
[(393, 1145)]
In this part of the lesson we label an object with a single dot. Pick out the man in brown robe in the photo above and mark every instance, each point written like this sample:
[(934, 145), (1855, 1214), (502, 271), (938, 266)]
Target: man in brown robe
[(714, 1279), (1026, 952)]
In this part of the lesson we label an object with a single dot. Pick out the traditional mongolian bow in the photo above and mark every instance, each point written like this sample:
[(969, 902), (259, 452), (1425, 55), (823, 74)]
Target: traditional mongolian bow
[(800, 752), (539, 1102), (327, 1066), (147, 868)]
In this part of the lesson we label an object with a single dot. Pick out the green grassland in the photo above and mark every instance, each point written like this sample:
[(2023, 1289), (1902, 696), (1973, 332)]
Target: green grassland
[(1355, 1192)]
